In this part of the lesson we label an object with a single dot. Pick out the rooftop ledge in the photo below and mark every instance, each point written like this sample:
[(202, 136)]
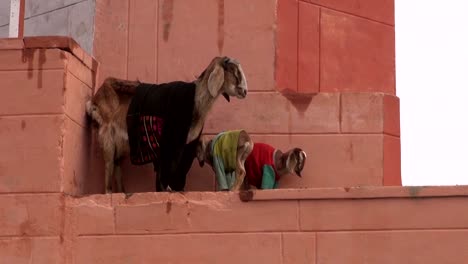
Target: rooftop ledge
[(367, 192), (300, 194), (50, 42)]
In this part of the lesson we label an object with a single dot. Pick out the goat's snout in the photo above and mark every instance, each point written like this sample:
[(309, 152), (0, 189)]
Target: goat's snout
[(244, 92), (241, 92)]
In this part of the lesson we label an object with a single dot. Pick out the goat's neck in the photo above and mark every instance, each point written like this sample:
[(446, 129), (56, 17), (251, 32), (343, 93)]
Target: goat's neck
[(203, 103)]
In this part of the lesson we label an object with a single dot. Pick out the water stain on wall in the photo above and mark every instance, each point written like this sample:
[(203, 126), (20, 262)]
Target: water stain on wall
[(167, 17), (220, 26)]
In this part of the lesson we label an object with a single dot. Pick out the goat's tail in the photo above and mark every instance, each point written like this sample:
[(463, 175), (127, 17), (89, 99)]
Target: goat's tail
[(93, 112)]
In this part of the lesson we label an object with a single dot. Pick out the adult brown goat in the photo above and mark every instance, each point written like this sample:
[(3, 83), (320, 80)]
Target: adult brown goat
[(160, 123)]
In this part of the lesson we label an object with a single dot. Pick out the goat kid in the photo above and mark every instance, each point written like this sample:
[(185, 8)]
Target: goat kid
[(226, 154), (166, 133), (258, 164)]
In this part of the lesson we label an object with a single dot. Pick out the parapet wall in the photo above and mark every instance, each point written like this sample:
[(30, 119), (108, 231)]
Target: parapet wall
[(45, 141), (376, 225)]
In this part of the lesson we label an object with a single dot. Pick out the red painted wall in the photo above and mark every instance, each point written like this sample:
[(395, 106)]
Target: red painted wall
[(321, 76), (336, 46), (340, 108), (46, 81)]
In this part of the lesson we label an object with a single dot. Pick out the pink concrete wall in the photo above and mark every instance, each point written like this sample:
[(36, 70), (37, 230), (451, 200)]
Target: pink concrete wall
[(375, 225), (321, 76), (336, 46), (45, 149), (44, 137), (340, 108)]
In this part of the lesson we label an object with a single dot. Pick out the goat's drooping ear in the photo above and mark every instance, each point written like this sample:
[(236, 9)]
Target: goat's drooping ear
[(215, 80), (296, 161), (201, 148)]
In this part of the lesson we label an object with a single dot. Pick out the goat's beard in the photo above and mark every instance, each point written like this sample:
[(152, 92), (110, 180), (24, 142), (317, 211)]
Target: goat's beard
[(227, 97)]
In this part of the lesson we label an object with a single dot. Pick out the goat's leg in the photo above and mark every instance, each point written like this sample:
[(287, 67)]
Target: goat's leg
[(108, 174), (108, 151), (157, 173), (240, 175), (245, 146), (158, 184), (246, 185), (118, 177)]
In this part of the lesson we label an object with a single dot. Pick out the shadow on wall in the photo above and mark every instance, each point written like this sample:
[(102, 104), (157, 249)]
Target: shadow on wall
[(300, 101)]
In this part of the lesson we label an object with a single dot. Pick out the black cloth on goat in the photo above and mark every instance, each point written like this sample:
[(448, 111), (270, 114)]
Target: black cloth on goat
[(158, 121)]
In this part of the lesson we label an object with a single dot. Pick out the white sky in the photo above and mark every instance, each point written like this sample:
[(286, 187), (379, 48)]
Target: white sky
[(432, 84)]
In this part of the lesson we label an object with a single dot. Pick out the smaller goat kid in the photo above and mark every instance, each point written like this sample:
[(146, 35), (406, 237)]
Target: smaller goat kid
[(160, 123), (249, 164), (226, 154)]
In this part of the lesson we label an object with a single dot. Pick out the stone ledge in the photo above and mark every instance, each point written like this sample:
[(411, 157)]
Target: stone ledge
[(377, 192), (293, 210), (50, 42), (360, 193)]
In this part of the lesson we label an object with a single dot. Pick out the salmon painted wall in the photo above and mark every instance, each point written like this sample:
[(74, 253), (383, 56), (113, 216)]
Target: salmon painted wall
[(321, 76), (44, 135), (45, 156), (375, 225)]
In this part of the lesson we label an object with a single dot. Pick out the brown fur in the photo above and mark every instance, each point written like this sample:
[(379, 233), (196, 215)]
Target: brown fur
[(290, 162), (109, 106)]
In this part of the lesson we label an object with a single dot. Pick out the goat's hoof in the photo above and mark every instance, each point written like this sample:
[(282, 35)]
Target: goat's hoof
[(246, 196)]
